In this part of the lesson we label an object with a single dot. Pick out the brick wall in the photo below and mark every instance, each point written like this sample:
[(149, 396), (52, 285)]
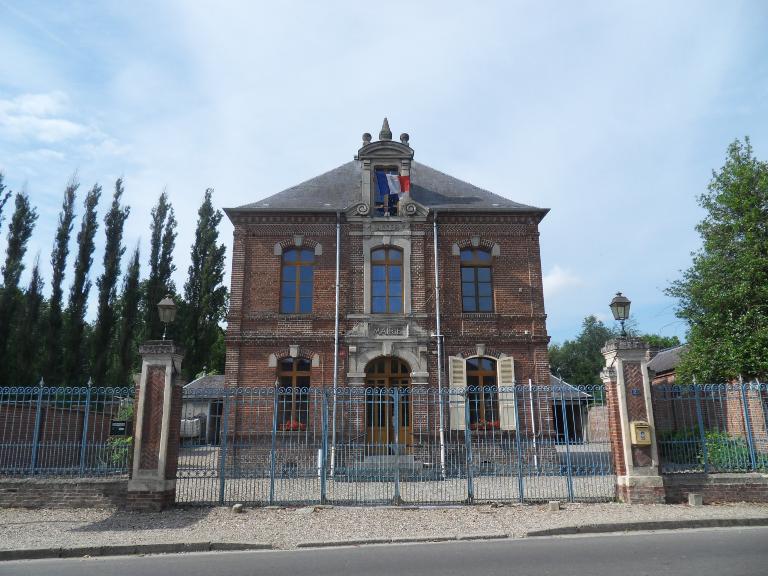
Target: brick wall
[(60, 493), (716, 488)]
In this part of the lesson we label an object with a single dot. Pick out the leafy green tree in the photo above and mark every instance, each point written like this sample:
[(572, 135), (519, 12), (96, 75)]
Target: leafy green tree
[(19, 231), (580, 361), (74, 364), (53, 359), (656, 342), (107, 283), (723, 296), (129, 322), (205, 297), (161, 267)]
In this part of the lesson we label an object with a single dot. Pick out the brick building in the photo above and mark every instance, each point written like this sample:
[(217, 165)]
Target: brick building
[(488, 303)]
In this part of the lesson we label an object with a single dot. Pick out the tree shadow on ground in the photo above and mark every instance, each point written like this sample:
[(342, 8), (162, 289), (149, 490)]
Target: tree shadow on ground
[(129, 521)]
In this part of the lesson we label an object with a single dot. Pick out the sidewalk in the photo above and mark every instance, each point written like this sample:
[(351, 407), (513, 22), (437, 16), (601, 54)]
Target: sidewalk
[(287, 528)]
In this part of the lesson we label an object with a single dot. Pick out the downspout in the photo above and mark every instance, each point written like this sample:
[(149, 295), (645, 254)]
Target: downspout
[(336, 344), (533, 426), (439, 336)]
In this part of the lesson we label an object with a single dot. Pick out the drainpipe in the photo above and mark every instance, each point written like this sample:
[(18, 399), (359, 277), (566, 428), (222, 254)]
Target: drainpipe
[(336, 343), (533, 427), (439, 337)]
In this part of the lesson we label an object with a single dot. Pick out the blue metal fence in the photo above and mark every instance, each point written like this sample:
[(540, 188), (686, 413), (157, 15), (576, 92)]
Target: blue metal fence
[(394, 445), (64, 431), (712, 427)]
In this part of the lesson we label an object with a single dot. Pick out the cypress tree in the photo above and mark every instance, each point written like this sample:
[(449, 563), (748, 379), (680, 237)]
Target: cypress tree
[(205, 298), (28, 341), (4, 196), (107, 284), (161, 267), (78, 294), (19, 231), (53, 349), (129, 322)]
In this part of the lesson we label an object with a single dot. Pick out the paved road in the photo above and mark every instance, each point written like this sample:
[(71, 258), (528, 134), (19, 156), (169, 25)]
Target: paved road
[(730, 552)]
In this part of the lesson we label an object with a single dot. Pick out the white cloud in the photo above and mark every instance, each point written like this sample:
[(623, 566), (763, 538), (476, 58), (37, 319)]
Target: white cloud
[(39, 117), (559, 279)]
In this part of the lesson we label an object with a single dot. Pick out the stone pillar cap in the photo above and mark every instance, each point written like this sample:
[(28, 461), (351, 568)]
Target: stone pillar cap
[(161, 347)]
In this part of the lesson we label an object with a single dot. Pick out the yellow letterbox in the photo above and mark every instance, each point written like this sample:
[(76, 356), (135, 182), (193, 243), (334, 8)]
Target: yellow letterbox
[(641, 433)]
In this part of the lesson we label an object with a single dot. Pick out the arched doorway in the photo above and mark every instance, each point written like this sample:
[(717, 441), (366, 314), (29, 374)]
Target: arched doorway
[(387, 378)]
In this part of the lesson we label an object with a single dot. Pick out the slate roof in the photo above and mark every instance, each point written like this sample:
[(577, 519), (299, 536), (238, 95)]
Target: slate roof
[(206, 383), (340, 188), (666, 360)]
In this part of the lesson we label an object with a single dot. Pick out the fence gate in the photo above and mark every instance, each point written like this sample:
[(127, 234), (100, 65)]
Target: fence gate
[(394, 444)]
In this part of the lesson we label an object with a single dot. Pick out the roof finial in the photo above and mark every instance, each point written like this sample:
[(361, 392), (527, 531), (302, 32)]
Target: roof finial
[(386, 133)]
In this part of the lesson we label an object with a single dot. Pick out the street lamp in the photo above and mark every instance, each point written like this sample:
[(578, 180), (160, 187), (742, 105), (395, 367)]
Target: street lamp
[(167, 309), (620, 308)]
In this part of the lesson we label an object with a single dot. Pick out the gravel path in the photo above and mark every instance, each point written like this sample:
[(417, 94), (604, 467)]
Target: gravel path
[(285, 527)]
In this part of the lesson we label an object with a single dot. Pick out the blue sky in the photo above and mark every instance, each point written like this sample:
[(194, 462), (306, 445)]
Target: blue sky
[(612, 114)]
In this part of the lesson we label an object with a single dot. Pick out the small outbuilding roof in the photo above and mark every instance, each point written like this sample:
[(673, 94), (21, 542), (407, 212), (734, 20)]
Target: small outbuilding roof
[(566, 391), (666, 360), (205, 386)]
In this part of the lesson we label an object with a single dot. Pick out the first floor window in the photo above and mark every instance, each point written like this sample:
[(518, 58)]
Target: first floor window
[(293, 394), (482, 394)]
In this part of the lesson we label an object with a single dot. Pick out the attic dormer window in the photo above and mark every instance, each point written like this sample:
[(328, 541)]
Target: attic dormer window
[(389, 188)]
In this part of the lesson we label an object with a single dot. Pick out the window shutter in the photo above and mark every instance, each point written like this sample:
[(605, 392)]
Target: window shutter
[(457, 376), (506, 370)]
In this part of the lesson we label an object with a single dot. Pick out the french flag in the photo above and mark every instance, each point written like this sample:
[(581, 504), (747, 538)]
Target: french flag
[(391, 185)]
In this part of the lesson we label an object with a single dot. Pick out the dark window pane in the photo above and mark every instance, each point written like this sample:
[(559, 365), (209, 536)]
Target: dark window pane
[(303, 365), (467, 274), (305, 273), (395, 305), (395, 289), (469, 304), (378, 254), (288, 289), (485, 305), (305, 305), (484, 289), (379, 289), (378, 273), (289, 256), (487, 364), (466, 254), (289, 273), (395, 256), (288, 305), (472, 380), (305, 289), (378, 305), (286, 365), (483, 274), (307, 255), (482, 255), (395, 273), (285, 381), (468, 289)]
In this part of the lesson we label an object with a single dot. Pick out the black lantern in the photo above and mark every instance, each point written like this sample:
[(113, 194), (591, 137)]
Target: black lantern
[(167, 310), (620, 308)]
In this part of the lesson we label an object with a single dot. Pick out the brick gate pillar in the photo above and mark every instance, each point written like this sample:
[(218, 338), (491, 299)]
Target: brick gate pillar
[(158, 421), (628, 398)]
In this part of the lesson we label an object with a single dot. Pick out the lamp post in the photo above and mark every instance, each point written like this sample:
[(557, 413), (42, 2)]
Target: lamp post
[(620, 308), (167, 309)]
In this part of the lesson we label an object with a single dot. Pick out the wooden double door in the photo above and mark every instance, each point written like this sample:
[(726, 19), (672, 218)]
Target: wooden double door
[(388, 404)]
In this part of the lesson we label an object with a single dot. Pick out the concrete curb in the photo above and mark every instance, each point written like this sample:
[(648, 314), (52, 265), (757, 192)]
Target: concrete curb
[(128, 550), (651, 525), (401, 540)]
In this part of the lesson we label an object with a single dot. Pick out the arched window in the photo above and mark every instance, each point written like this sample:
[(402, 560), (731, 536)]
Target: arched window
[(293, 396), (296, 281), (476, 283), (482, 393), (386, 281)]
